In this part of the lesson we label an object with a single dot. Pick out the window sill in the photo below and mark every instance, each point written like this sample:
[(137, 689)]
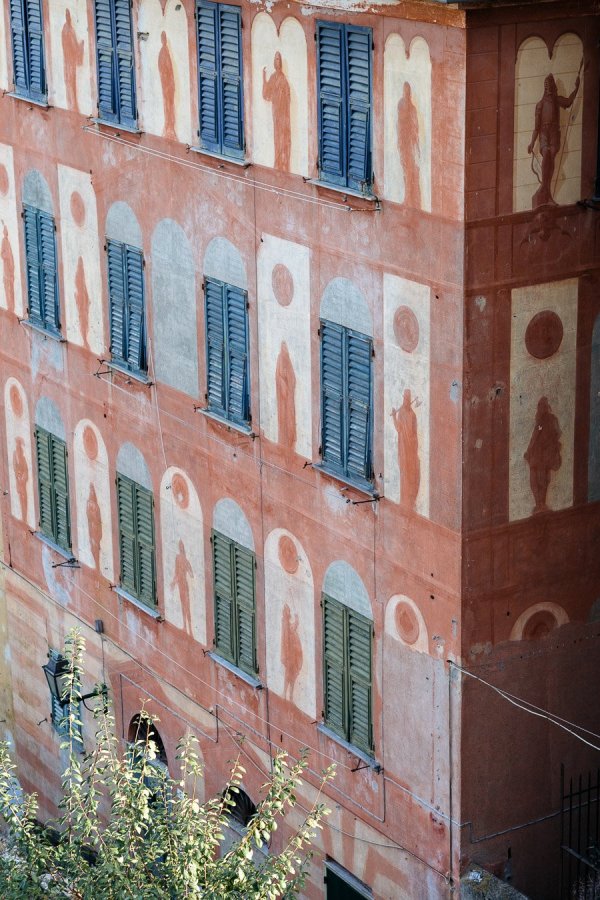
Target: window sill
[(142, 377), (232, 426), (47, 332), (66, 554), (149, 610), (344, 191), (363, 487), (43, 104), (234, 160), (117, 126), (370, 761), (252, 680)]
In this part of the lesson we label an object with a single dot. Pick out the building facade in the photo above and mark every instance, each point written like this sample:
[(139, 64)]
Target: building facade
[(300, 379)]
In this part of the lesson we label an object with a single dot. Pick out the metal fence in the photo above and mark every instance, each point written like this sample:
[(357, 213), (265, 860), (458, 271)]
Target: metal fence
[(579, 837)]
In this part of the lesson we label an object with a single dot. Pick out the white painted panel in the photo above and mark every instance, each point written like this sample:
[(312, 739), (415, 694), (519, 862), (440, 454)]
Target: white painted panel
[(92, 493), (11, 284)]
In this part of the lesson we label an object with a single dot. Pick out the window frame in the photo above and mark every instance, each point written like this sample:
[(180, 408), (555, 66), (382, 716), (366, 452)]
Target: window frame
[(60, 711), (47, 487), (232, 654), (223, 411), (115, 115), (122, 361), (133, 588), (37, 259), (25, 89), (360, 891)]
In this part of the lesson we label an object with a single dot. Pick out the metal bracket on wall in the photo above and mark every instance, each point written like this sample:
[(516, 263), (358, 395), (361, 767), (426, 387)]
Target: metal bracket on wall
[(67, 564)]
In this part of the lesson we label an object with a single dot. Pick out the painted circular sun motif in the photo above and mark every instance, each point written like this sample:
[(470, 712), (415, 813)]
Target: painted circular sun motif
[(77, 208), (406, 329), (544, 334), (283, 284), (180, 491), (288, 555), (539, 625), (406, 623), (16, 401), (4, 183), (90, 442)]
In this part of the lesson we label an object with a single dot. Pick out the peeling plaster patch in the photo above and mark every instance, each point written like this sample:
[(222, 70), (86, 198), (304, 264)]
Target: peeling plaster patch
[(343, 7), (455, 391), (478, 444), (56, 589), (7, 653), (481, 302), (480, 649), (45, 353)]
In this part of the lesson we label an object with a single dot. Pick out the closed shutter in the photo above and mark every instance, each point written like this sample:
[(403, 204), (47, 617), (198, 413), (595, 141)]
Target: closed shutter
[(48, 271), (125, 69), (146, 563), (127, 536), (220, 96), (35, 37), (359, 678), (61, 492), (136, 341), (45, 487), (208, 81), (332, 395), (237, 354), (223, 589), (35, 301), (227, 350), (358, 415), (106, 61), (231, 80), (19, 44), (331, 89), (243, 561), (215, 344), (334, 643), (358, 61), (117, 299)]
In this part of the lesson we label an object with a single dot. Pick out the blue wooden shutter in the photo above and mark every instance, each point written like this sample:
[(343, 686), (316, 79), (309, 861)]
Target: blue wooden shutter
[(34, 265), (60, 481), (135, 325), (223, 592), (145, 546), (208, 80), (359, 681), (332, 395), (332, 102), (358, 412), (45, 489), (35, 40), (334, 674), (125, 71), (245, 624), (117, 292), (127, 536), (48, 271), (358, 80), (106, 61), (237, 354), (19, 44), (214, 292), (232, 129)]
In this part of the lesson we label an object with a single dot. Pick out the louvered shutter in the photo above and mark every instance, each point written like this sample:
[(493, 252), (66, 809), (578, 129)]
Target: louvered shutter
[(145, 549), (237, 354), (45, 487), (35, 40), (125, 72), (232, 132), (135, 327), (332, 394), (19, 44), (117, 299), (332, 102), (208, 80), (243, 561), (48, 271), (34, 265), (358, 414), (359, 680), (358, 63), (60, 479), (223, 590), (106, 61), (334, 643), (215, 343), (127, 536)]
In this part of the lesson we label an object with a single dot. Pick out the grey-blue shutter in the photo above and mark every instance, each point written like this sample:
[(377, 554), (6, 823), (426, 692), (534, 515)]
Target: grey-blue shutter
[(237, 354), (48, 271), (232, 130), (208, 80), (358, 87), (34, 265), (125, 63), (214, 292), (358, 414), (35, 40), (117, 299), (19, 44), (332, 102), (135, 326), (334, 669), (243, 562), (359, 680), (223, 592), (332, 395), (106, 61)]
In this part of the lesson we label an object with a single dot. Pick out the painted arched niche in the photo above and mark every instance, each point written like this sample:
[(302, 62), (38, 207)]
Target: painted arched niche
[(538, 621), (183, 554), (533, 65), (406, 392), (132, 464), (48, 417), (229, 520), (343, 584), (36, 192), (122, 225), (407, 105), (11, 289), (594, 452), (92, 491), (290, 621), (223, 261), (20, 458), (404, 623), (284, 345), (81, 260), (279, 94), (165, 93), (344, 303), (70, 56), (174, 302)]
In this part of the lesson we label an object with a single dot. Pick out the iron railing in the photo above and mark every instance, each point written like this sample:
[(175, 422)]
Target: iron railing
[(579, 837)]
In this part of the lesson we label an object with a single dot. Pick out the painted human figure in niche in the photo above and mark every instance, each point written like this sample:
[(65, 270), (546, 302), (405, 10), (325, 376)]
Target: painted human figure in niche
[(72, 59), (167, 81), (543, 453), (8, 270), (82, 300), (405, 423), (183, 571), (21, 475), (291, 651), (285, 386), (409, 147), (276, 90), (547, 129), (94, 517)]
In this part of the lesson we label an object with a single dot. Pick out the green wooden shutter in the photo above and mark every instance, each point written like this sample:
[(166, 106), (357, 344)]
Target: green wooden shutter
[(360, 730), (48, 271), (127, 536), (238, 400), (60, 477), (332, 395), (214, 295), (243, 561), (117, 292), (45, 487), (358, 406), (358, 81), (136, 340), (334, 665), (146, 554), (223, 590), (332, 94)]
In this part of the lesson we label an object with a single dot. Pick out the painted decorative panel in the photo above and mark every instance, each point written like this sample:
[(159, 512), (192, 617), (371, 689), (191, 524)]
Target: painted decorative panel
[(11, 295), (92, 493), (21, 474), (70, 56)]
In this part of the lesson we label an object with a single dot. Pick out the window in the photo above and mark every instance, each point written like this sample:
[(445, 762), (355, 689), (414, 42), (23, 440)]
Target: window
[(126, 301), (27, 28), (347, 673), (53, 488), (59, 712), (346, 402), (227, 351), (114, 55), (220, 95), (235, 617), (344, 90), (342, 885), (137, 551), (42, 279)]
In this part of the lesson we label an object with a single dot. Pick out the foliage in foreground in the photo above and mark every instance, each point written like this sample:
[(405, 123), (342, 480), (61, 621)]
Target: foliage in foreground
[(128, 830)]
